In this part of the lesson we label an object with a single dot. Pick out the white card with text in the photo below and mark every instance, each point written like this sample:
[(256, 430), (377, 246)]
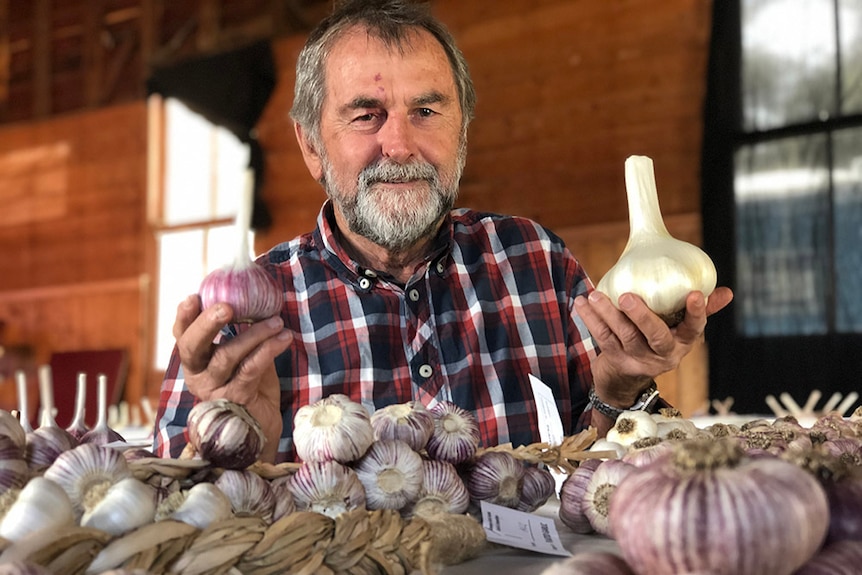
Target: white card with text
[(522, 530), (550, 424)]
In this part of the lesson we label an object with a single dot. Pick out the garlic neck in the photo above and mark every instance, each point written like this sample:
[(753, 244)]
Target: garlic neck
[(645, 218)]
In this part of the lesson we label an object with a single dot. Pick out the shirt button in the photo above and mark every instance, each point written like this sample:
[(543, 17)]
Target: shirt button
[(425, 370), (364, 283), (414, 294), (370, 273), (441, 267)]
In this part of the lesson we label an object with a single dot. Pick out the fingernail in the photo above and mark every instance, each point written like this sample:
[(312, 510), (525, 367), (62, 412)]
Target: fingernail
[(284, 334), (219, 313), (274, 322), (594, 296), (580, 301), (626, 302)]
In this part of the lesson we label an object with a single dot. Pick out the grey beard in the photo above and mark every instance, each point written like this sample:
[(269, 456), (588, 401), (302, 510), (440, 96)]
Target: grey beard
[(394, 221)]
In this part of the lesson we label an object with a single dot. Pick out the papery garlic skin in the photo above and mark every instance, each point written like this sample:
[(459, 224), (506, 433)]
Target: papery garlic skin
[(659, 268), (11, 428), (599, 492), (443, 491), (333, 428), (284, 503), (41, 504), (250, 495), (496, 477), (456, 434), (14, 471), (125, 506), (631, 426), (536, 488), (391, 473)]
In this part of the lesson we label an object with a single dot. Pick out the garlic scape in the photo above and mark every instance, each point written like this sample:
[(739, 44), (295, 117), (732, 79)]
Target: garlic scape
[(249, 289), (654, 265), (49, 440), (456, 434), (333, 428), (410, 422), (225, 434), (326, 487), (391, 473)]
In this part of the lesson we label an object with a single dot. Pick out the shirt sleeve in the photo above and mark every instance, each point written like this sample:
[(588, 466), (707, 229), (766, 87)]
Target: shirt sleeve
[(175, 402)]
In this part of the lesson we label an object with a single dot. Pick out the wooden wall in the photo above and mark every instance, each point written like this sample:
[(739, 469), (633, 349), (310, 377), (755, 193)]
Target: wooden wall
[(567, 90)]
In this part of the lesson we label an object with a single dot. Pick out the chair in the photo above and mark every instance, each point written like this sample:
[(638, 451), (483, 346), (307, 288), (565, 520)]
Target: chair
[(65, 367)]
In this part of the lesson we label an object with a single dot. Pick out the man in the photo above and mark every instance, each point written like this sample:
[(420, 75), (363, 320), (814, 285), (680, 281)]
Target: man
[(395, 296)]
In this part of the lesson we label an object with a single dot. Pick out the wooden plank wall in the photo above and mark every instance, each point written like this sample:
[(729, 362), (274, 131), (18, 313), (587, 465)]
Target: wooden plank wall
[(567, 90)]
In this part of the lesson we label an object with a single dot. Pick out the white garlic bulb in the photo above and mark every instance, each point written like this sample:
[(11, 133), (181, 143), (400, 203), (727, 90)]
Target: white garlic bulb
[(391, 474), (333, 428), (631, 426), (654, 265), (40, 505), (87, 472), (125, 505), (225, 434), (326, 487), (201, 505), (409, 422)]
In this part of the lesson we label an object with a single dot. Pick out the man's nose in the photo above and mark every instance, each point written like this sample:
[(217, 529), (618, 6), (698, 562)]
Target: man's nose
[(397, 140)]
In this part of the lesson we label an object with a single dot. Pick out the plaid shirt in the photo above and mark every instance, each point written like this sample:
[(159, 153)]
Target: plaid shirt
[(491, 305)]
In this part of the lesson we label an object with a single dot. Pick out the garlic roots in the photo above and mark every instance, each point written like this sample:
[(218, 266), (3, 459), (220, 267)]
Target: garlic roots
[(654, 265)]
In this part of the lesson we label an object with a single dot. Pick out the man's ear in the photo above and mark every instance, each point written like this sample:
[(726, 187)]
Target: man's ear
[(309, 153)]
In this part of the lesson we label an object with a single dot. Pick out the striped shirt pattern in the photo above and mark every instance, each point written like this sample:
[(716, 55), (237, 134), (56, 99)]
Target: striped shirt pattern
[(491, 305)]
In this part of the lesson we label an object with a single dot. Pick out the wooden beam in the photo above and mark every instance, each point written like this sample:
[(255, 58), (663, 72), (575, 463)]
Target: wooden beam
[(151, 11), (209, 18), (121, 58), (5, 57), (94, 52), (41, 58)]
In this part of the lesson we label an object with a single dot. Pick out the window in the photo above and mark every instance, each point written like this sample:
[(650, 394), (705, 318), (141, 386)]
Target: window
[(195, 203), (782, 197)]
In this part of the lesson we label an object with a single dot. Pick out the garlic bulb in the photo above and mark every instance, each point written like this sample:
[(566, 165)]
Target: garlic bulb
[(326, 487), (536, 488), (599, 492), (14, 471), (249, 289), (40, 505), (250, 494), (631, 426), (496, 477), (225, 434), (572, 497), (391, 474), (125, 505), (284, 503), (442, 491), (410, 422), (200, 505), (49, 440), (708, 508), (11, 428), (333, 428), (647, 450), (659, 268), (456, 433), (87, 472)]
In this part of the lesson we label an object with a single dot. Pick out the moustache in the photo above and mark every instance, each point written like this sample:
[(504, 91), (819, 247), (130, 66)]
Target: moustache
[(391, 173)]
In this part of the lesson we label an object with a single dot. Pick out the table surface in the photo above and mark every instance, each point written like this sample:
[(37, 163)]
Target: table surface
[(511, 561)]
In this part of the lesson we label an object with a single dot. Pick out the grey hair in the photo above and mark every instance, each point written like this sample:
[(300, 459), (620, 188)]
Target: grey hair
[(391, 21)]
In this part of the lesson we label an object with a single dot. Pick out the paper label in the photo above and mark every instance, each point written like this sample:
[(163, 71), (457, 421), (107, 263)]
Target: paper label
[(550, 424), (522, 530)]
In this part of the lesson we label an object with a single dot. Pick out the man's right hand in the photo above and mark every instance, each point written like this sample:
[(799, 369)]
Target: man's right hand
[(240, 369)]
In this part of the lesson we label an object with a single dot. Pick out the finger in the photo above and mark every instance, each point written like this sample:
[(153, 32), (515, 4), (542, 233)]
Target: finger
[(597, 327), (645, 325), (690, 329), (718, 300), (187, 311), (250, 381), (228, 356), (195, 342)]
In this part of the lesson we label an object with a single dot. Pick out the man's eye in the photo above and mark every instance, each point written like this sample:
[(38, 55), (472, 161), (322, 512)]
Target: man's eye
[(425, 112), (364, 118)]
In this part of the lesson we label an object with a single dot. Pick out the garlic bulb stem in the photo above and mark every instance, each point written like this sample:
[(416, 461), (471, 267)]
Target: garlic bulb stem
[(23, 406), (78, 422), (243, 221), (46, 395)]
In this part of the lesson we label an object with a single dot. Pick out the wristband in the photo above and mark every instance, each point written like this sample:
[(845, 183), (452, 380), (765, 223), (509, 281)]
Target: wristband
[(645, 402)]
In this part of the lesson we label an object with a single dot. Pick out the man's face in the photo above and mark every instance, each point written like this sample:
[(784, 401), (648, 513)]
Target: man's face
[(391, 129)]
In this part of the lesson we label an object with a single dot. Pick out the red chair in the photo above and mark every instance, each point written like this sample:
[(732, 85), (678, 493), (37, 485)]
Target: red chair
[(65, 367)]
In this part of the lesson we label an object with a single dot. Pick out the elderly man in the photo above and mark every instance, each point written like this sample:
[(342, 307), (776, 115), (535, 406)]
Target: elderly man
[(396, 296)]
